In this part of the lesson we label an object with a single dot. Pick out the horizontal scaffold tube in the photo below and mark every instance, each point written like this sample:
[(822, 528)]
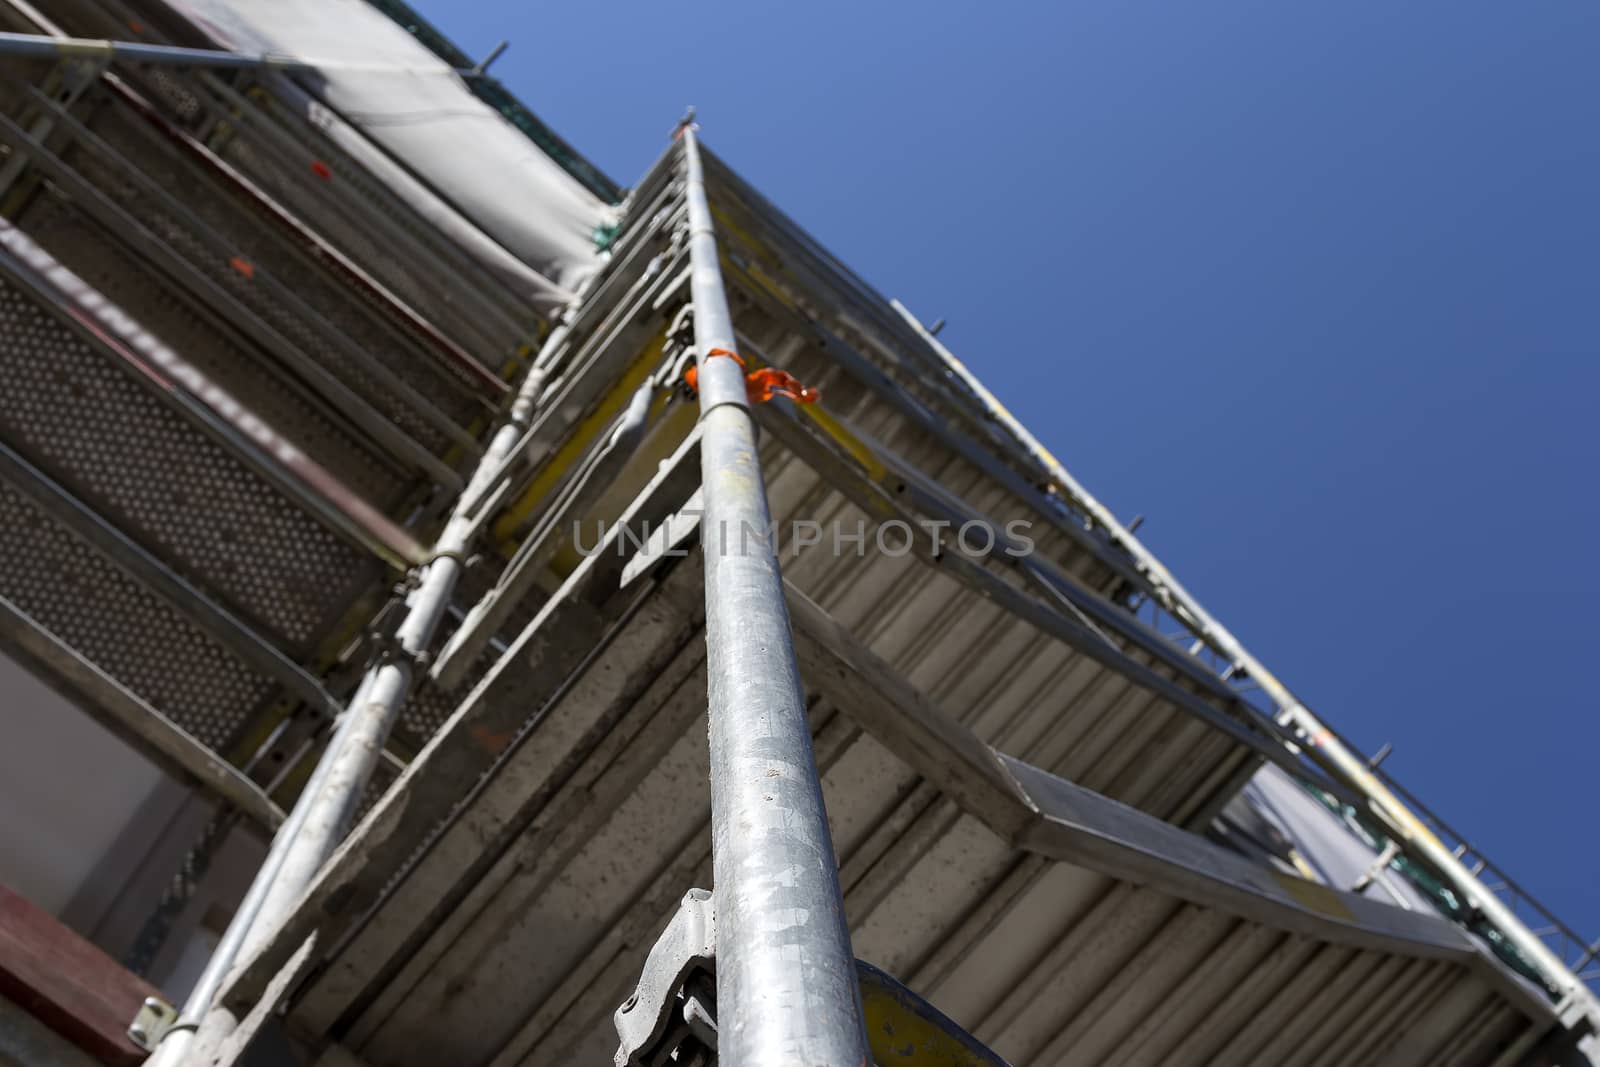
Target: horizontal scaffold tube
[(41, 46)]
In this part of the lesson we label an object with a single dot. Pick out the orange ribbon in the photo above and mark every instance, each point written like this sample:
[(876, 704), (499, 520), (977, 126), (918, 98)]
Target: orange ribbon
[(761, 385)]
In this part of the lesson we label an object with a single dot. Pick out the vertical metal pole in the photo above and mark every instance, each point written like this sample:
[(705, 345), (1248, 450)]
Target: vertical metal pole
[(787, 994), (322, 814), (177, 1041), (75, 78), (354, 753), (345, 768), (40, 46)]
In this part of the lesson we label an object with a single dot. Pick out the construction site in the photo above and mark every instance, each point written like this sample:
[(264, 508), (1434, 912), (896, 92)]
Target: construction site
[(461, 610)]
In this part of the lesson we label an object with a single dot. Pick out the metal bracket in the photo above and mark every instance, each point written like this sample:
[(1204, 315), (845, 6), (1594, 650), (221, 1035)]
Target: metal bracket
[(681, 330), (154, 1018), (670, 1020), (667, 539), (380, 636), (672, 1003)]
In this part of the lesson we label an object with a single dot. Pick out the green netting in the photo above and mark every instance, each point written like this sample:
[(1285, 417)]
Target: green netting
[(1442, 896), (491, 92), (604, 234)]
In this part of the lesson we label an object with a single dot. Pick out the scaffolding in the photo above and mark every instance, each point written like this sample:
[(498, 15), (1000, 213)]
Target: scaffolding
[(436, 569)]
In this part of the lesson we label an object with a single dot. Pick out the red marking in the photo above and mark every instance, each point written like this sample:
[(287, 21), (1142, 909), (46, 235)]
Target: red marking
[(493, 742), (321, 169), (314, 244), (123, 337), (135, 25), (243, 266)]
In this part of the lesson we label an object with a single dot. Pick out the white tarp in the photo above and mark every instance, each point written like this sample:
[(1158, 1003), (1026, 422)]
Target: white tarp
[(1322, 838), (384, 83)]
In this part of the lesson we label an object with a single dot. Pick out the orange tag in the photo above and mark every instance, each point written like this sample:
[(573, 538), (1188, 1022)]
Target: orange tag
[(761, 385), (764, 384)]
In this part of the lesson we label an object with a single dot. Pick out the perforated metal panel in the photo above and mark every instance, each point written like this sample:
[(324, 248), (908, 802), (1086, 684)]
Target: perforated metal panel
[(426, 711), (114, 445), (123, 628), (167, 84), (106, 264)]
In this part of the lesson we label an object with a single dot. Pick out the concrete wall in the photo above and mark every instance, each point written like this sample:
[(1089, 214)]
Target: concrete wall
[(68, 791)]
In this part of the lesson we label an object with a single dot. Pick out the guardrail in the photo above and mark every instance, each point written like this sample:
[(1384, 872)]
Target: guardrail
[(1581, 956)]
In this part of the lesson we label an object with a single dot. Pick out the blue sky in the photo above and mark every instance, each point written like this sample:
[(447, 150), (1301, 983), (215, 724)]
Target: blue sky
[(1314, 287)]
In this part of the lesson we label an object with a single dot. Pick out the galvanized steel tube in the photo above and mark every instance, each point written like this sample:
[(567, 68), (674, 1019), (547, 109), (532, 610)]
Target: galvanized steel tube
[(786, 979), (323, 813), (176, 1043), (346, 766), (40, 46), (47, 46)]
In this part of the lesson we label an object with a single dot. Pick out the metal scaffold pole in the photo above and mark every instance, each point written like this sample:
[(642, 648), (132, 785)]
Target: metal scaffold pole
[(786, 980), (331, 796), (42, 46)]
